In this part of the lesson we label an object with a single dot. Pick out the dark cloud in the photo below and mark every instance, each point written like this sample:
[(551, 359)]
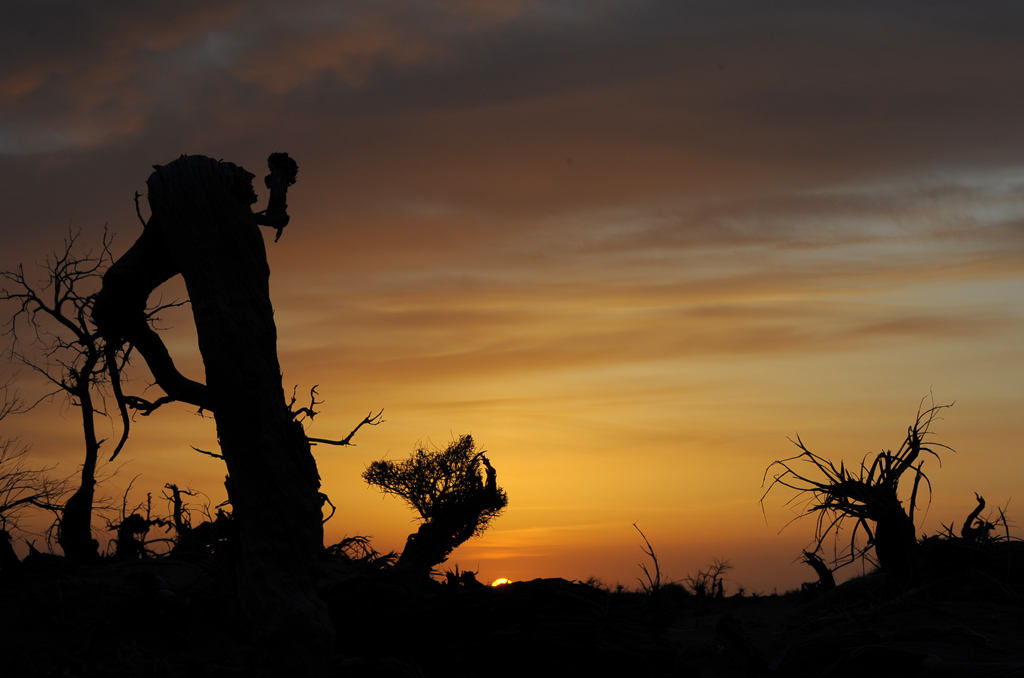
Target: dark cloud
[(611, 150), (749, 80)]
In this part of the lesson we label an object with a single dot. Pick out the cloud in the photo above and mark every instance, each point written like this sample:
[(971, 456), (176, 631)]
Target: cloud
[(742, 89), (529, 179), (74, 71)]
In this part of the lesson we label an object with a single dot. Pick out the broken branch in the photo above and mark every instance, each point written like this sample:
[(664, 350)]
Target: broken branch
[(371, 419)]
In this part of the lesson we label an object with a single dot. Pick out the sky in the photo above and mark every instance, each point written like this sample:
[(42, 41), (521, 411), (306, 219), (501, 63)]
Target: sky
[(632, 247)]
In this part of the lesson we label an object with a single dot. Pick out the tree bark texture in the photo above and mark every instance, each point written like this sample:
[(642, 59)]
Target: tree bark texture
[(202, 226)]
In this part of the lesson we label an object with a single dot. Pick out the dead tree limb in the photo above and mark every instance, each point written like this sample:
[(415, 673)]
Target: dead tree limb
[(973, 529), (869, 496), (826, 580), (370, 419), (202, 227)]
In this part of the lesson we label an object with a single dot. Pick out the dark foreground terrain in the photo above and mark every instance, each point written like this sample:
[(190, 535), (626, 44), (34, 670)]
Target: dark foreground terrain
[(171, 618)]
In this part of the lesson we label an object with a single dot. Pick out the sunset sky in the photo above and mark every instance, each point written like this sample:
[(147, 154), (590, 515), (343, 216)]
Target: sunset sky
[(631, 246)]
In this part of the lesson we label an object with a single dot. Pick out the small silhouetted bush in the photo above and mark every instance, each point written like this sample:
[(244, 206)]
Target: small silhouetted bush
[(454, 490)]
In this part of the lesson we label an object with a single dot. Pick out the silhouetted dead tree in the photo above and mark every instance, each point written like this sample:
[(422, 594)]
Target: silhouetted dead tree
[(868, 495), (51, 331), (454, 490), (22, 486), (359, 552), (202, 227), (213, 536), (709, 582), (301, 413), (132, 540), (826, 580), (652, 587), (975, 529), (9, 562), (181, 517)]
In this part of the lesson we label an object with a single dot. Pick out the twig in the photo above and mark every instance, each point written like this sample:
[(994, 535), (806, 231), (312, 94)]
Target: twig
[(313, 402), (146, 407), (208, 454), (371, 419), (655, 581), (137, 210)]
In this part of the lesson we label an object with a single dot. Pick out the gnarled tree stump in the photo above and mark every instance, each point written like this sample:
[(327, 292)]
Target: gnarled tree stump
[(202, 226)]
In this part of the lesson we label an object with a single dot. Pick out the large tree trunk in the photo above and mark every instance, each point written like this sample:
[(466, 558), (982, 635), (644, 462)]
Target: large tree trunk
[(895, 541), (202, 226), (75, 532)]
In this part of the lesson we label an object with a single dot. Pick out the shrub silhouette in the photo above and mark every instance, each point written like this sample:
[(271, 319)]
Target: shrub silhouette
[(869, 496), (23, 485), (710, 582), (455, 497)]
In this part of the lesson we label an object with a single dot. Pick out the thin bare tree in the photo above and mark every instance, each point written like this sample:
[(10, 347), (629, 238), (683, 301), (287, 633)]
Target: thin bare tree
[(51, 332), (22, 485)]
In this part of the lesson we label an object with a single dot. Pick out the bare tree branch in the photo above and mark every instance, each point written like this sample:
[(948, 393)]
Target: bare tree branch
[(21, 485), (138, 211), (868, 495), (371, 419), (208, 454), (306, 411)]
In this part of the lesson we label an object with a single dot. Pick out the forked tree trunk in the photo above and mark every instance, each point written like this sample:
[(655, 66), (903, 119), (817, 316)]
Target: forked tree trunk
[(202, 226)]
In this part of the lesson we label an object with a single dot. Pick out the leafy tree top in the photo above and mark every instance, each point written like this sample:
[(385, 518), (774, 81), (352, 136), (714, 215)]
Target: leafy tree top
[(455, 487)]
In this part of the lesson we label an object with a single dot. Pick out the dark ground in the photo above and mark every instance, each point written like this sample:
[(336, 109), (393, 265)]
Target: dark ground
[(171, 618)]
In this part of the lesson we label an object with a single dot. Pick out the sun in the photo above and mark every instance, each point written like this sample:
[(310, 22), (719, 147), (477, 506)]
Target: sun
[(501, 582)]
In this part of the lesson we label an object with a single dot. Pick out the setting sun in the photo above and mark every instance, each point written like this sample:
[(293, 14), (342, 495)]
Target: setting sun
[(501, 582)]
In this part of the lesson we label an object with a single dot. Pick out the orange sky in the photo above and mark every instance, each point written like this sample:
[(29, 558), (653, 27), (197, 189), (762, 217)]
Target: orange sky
[(629, 246)]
